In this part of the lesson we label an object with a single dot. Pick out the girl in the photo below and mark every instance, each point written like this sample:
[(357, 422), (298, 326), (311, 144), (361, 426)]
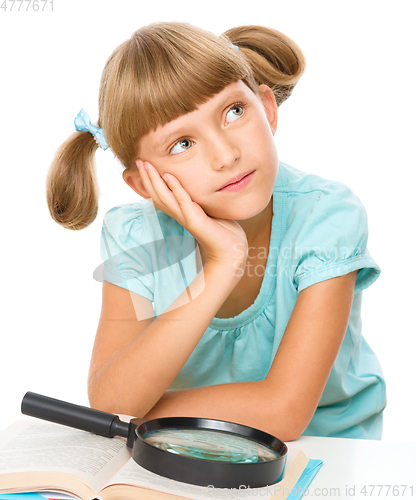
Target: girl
[(232, 287)]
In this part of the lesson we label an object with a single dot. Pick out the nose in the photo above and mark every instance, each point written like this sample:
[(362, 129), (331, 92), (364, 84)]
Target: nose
[(224, 150)]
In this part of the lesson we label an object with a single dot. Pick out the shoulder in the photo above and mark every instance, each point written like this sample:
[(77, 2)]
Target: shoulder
[(310, 193), (138, 222), (295, 181), (325, 229)]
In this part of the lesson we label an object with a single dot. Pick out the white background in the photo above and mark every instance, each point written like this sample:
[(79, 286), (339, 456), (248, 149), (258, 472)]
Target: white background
[(351, 118)]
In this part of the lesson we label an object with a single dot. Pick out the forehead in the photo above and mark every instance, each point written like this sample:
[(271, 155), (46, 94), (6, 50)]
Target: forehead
[(157, 138)]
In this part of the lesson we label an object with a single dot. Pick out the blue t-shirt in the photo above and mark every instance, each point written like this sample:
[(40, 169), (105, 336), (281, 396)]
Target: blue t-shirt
[(319, 231)]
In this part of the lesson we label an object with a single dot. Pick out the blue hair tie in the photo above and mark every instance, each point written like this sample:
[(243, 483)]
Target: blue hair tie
[(235, 46), (83, 123)]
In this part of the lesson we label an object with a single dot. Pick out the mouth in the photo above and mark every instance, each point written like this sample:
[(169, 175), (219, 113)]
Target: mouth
[(238, 182)]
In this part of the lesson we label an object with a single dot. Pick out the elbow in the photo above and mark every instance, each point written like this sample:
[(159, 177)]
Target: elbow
[(296, 423), (103, 402), (112, 399), (284, 428), (96, 397), (289, 420), (99, 398), (288, 433)]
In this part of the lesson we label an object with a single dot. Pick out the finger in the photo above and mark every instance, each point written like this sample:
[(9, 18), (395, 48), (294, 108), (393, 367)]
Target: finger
[(167, 188), (190, 210), (162, 195), (146, 181), (181, 195), (155, 186)]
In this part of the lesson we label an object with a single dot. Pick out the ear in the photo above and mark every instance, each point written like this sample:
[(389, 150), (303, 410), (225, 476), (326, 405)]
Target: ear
[(132, 179), (270, 105)]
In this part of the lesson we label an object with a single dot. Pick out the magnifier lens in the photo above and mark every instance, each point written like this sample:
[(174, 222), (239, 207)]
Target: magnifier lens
[(210, 445)]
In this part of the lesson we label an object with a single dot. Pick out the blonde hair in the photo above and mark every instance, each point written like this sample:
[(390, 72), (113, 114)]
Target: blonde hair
[(163, 71)]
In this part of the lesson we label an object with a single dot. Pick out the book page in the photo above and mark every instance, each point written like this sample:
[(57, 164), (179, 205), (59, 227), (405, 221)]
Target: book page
[(35, 445), (133, 474)]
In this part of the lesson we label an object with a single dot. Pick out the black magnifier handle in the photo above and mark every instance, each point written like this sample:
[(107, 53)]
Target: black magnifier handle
[(79, 417)]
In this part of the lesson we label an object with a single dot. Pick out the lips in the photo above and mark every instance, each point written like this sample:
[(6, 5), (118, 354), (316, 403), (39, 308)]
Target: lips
[(236, 179)]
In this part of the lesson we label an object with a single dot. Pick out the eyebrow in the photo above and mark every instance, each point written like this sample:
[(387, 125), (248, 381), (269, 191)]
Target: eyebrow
[(167, 138), (235, 95)]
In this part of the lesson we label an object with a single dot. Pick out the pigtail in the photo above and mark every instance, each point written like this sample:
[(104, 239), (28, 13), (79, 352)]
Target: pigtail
[(275, 59), (71, 184)]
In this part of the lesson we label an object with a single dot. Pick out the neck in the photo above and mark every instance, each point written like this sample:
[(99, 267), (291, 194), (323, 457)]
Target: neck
[(258, 227)]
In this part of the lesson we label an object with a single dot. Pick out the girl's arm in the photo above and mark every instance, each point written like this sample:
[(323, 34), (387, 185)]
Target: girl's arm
[(134, 362), (285, 401)]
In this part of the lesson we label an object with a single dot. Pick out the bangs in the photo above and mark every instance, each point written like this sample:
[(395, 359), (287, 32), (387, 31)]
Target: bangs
[(164, 71)]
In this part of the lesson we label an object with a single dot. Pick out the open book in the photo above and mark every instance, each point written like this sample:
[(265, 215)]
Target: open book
[(38, 456)]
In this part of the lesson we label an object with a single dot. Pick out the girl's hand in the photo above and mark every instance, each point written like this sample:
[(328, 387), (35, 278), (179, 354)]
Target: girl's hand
[(223, 241)]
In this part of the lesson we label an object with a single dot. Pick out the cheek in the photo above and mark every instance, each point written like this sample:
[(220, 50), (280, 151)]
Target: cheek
[(260, 145), (186, 176), (259, 134), (191, 182), (268, 139)]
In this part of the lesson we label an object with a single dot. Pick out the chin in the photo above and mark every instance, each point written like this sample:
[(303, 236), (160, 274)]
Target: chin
[(241, 209)]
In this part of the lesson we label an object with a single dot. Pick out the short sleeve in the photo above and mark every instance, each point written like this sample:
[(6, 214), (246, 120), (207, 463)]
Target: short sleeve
[(331, 239), (125, 251)]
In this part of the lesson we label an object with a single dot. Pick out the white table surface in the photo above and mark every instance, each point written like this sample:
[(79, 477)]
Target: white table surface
[(351, 464)]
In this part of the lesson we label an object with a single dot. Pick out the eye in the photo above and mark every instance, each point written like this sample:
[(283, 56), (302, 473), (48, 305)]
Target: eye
[(180, 146), (236, 111)]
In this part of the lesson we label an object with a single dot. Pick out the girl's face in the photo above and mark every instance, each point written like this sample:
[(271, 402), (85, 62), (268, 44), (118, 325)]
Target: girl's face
[(229, 136)]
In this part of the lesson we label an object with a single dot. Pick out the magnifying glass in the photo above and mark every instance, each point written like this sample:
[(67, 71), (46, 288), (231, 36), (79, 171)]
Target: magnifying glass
[(200, 451)]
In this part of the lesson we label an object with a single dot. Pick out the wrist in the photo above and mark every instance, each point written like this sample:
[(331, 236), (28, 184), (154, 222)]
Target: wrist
[(233, 269)]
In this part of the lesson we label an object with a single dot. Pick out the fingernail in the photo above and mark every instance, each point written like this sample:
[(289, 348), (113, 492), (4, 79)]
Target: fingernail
[(165, 179), (145, 165), (138, 163)]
